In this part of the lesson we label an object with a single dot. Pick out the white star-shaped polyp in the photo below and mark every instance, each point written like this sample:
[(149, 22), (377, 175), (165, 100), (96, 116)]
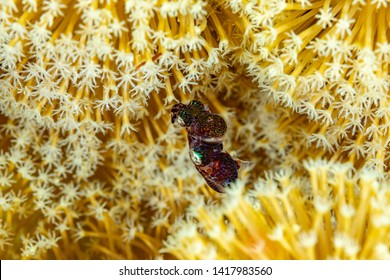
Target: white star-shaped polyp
[(380, 3), (343, 26), (325, 18)]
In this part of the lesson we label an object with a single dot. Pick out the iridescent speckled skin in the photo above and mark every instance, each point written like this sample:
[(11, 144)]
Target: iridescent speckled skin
[(211, 127), (199, 121), (205, 136), (218, 168)]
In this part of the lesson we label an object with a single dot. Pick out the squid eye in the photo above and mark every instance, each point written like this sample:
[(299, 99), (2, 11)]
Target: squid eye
[(196, 157), (196, 104), (184, 118)]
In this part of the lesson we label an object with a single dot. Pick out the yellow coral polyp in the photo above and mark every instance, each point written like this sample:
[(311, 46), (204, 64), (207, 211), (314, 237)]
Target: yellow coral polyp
[(332, 213), (327, 60), (67, 64), (91, 168)]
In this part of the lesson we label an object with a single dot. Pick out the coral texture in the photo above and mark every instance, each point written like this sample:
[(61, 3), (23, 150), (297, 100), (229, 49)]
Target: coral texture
[(91, 168)]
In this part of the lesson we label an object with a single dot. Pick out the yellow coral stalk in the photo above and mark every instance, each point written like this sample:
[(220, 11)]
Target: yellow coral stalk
[(90, 168), (332, 212), (67, 64), (327, 60)]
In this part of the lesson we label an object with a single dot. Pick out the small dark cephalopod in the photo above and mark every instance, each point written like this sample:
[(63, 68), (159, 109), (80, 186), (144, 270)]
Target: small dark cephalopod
[(205, 136)]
